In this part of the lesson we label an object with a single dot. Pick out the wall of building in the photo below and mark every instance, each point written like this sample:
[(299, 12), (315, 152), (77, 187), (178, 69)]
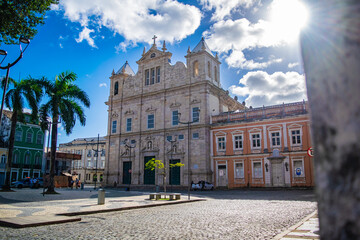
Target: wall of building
[(179, 90), (86, 168), (289, 160)]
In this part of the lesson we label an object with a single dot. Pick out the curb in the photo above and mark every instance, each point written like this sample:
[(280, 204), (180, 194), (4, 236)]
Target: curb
[(292, 228), (127, 208)]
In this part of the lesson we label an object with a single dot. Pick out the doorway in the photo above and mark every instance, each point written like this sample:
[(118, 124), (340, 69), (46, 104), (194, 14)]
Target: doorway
[(149, 175), (126, 172), (277, 172), (174, 173), (222, 176)]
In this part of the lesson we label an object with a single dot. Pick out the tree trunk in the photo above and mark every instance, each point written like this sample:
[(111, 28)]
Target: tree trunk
[(51, 188), (10, 151), (331, 50)]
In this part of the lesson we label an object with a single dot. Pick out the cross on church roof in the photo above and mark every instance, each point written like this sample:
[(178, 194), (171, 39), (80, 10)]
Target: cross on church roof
[(155, 37)]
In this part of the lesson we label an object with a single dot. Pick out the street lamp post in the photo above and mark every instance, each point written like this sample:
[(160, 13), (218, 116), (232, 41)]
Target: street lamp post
[(189, 160), (7, 68), (97, 157), (129, 146), (172, 142)]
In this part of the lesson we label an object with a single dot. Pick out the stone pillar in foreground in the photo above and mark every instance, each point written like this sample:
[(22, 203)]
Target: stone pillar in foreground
[(331, 54)]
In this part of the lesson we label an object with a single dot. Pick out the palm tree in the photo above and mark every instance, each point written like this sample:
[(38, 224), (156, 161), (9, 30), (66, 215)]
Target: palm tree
[(63, 105), (23, 91)]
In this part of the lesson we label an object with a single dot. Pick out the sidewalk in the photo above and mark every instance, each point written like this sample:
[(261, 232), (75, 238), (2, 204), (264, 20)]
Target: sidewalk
[(29, 205), (308, 228)]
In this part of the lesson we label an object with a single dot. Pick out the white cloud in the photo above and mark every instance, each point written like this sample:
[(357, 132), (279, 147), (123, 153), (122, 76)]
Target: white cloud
[(135, 20), (237, 60), (292, 65), (241, 34), (231, 37), (224, 8), (60, 45), (102, 85), (85, 35), (260, 88)]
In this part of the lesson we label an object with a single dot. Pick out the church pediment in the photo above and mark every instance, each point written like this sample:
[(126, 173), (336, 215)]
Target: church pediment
[(154, 53)]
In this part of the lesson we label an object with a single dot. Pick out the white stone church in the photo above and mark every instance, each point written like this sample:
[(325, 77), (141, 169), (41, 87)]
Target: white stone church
[(163, 111)]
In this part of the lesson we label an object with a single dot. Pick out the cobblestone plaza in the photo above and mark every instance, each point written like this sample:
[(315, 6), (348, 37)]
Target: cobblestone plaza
[(244, 214)]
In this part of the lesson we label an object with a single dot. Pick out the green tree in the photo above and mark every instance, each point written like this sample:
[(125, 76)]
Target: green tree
[(153, 164), (63, 104), (20, 18), (23, 91)]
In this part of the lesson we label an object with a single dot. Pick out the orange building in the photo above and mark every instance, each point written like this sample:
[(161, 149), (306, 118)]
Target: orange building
[(262, 147)]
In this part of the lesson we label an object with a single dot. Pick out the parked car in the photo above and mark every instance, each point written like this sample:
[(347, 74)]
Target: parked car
[(21, 183), (202, 185)]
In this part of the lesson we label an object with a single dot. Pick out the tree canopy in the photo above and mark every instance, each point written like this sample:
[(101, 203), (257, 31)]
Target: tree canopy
[(20, 18), (153, 163)]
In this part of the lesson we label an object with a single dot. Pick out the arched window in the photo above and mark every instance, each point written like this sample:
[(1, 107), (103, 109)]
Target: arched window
[(37, 159), (29, 136), (15, 157), (27, 158), (209, 69), (116, 88), (39, 138), (18, 135), (3, 158), (196, 68), (215, 74)]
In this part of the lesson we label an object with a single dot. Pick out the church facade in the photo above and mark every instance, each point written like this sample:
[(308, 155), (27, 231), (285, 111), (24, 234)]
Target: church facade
[(163, 111)]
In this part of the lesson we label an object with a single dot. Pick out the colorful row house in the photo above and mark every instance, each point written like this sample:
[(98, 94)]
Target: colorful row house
[(28, 149), (263, 147)]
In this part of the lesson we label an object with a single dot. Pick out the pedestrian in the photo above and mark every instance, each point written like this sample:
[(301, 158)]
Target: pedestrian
[(77, 183), (36, 183), (31, 183), (69, 181)]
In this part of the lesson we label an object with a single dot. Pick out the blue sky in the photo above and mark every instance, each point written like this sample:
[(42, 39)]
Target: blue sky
[(256, 41)]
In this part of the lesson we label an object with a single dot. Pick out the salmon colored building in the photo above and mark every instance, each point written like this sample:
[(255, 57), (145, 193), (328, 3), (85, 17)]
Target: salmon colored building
[(262, 147)]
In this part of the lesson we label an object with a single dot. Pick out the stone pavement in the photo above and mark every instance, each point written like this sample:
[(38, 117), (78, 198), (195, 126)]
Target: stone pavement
[(239, 214), (24, 203), (308, 228)]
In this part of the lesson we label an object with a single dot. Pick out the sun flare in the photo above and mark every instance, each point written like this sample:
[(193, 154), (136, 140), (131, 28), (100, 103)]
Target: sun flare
[(288, 18)]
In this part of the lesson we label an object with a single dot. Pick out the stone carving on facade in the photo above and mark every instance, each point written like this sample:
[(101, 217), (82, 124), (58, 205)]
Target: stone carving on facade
[(150, 109), (129, 112), (175, 149), (175, 105), (115, 115), (150, 145), (125, 151), (195, 101)]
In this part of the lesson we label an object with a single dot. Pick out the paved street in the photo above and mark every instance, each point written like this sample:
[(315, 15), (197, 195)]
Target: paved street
[(225, 215)]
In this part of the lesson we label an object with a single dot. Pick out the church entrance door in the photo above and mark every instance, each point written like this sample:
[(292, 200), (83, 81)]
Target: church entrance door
[(126, 172), (174, 173), (149, 175)]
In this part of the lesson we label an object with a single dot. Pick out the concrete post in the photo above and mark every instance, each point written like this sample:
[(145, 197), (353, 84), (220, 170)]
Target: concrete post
[(101, 196), (331, 54)]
